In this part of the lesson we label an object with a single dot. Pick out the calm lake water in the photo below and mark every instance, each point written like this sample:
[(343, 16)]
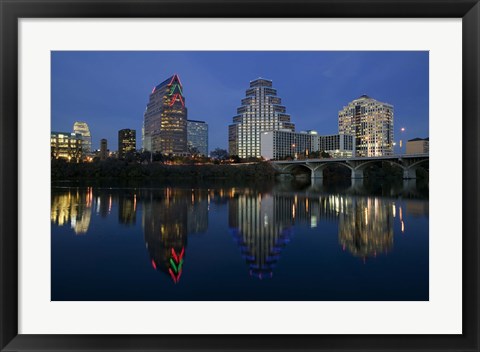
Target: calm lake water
[(288, 241)]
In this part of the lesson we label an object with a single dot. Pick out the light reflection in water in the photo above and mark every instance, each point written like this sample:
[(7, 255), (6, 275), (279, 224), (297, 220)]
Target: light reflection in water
[(262, 223)]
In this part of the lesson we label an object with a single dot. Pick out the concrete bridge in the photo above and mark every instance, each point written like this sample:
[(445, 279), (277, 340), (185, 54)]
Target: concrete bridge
[(408, 163)]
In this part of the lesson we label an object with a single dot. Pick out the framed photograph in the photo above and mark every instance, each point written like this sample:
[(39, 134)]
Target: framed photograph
[(209, 175)]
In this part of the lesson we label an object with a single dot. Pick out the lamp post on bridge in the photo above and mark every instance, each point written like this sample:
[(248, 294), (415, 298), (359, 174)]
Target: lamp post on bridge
[(401, 134)]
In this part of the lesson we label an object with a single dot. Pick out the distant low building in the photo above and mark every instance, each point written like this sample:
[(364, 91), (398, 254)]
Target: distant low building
[(66, 145), (418, 146)]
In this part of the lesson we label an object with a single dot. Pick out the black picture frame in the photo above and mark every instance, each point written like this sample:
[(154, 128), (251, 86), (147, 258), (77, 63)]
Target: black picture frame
[(11, 11)]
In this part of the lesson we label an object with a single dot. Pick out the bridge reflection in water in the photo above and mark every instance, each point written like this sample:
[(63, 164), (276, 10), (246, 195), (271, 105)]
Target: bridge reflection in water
[(262, 222)]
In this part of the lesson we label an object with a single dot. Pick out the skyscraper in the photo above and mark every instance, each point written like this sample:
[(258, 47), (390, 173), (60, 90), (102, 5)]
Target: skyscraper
[(82, 128), (103, 149), (165, 119), (261, 111), (126, 142), (371, 122), (197, 136)]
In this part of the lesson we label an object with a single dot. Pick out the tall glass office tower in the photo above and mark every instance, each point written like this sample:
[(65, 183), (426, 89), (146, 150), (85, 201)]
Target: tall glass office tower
[(127, 142), (261, 110), (82, 128), (371, 123), (165, 119), (197, 137)]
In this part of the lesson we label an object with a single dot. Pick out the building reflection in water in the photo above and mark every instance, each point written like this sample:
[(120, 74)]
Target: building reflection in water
[(366, 227), (127, 209), (262, 223), (262, 227), (365, 224), (169, 216), (73, 207)]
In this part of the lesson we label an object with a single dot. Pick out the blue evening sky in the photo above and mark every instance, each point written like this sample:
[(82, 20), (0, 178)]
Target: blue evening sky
[(109, 90)]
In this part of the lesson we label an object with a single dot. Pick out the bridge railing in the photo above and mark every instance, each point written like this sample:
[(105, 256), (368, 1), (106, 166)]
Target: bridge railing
[(386, 157)]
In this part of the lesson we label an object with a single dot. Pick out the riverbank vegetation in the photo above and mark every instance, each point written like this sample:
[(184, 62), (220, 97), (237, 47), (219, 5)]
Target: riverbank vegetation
[(123, 169)]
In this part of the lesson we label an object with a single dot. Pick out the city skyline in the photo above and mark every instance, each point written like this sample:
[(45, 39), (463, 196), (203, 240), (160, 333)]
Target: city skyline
[(314, 87)]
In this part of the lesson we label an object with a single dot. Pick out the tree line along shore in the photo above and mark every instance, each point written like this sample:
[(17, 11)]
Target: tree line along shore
[(114, 168), (260, 170)]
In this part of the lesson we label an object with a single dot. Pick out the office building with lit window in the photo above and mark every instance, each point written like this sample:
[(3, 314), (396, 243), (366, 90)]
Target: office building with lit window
[(282, 144), (197, 137), (127, 142), (371, 123), (261, 111), (165, 119), (82, 128), (66, 145), (337, 145)]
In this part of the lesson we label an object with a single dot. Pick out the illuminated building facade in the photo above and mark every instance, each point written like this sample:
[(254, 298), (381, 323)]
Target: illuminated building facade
[(103, 149), (66, 145), (165, 119), (418, 146), (82, 129), (127, 142), (281, 144), (197, 137), (261, 111), (371, 122), (337, 145)]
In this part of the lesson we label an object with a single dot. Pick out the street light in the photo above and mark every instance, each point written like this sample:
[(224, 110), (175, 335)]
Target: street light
[(401, 133)]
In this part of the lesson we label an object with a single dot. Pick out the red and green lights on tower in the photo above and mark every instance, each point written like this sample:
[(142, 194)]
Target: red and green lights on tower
[(175, 94), (174, 264)]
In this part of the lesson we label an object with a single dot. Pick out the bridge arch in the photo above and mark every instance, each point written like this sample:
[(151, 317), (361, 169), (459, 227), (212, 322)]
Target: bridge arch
[(291, 167), (410, 171), (416, 164), (364, 164), (317, 169)]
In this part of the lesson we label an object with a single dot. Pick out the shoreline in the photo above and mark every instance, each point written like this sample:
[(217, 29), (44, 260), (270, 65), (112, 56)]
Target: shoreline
[(119, 169)]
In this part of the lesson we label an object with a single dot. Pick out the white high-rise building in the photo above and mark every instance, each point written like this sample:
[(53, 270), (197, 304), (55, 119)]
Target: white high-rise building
[(82, 128), (261, 111), (371, 123)]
